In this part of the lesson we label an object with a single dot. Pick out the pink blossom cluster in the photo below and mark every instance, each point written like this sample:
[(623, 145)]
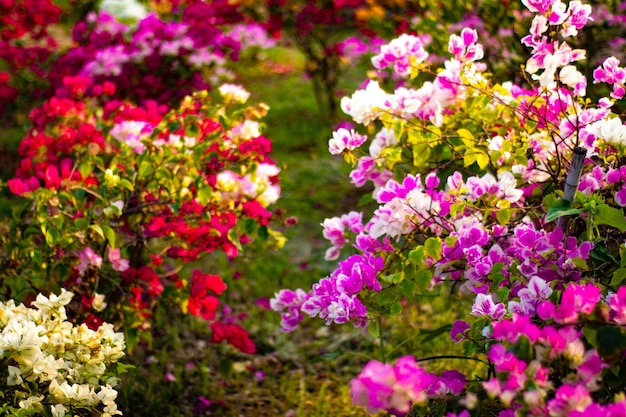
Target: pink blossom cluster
[(333, 298), (550, 56), (399, 54), (395, 388), (155, 60), (546, 300), (611, 73), (337, 230), (465, 46), (611, 181)]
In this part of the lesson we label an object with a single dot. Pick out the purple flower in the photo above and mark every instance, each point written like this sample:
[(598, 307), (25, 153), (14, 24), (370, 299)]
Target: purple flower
[(459, 328), (485, 306), (202, 405)]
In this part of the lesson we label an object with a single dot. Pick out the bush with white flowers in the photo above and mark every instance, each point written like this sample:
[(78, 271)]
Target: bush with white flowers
[(48, 366)]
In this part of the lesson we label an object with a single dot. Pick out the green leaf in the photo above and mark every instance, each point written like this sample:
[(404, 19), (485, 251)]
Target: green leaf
[(234, 239), (503, 293), (204, 195), (327, 357), (396, 308), (109, 233), (618, 277), (225, 367), (145, 169), (561, 208), (467, 137), (600, 253), (373, 329), (96, 228), (416, 256), (523, 349), (432, 248), (431, 334), (392, 156), (85, 169), (366, 199), (423, 278), (81, 223), (393, 278), (591, 334), (610, 216), (126, 184), (503, 216), (611, 342), (52, 236), (421, 155), (469, 158)]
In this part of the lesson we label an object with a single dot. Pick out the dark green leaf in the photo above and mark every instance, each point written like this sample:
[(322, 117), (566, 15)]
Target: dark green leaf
[(561, 208), (611, 216)]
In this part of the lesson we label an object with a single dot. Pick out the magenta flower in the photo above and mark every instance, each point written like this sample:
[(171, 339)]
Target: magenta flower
[(202, 405), (577, 298), (569, 398), (617, 303), (485, 306), (459, 328)]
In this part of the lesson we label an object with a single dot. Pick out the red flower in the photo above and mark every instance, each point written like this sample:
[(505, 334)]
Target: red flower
[(234, 334), (205, 307), (201, 303), (93, 322)]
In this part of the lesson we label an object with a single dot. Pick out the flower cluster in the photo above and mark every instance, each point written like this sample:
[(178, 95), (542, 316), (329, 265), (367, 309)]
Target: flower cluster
[(22, 20), (509, 196), (397, 387), (53, 366), (162, 60)]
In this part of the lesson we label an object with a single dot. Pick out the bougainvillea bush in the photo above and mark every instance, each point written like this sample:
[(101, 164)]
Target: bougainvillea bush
[(25, 48), (508, 198), (155, 59), (117, 200), (52, 367)]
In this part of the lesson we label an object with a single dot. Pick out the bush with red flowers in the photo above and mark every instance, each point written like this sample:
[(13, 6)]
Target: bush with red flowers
[(117, 199)]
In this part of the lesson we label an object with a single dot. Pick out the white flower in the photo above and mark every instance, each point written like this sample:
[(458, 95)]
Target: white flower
[(245, 131), (58, 410), (611, 130), (15, 376), (366, 105), (124, 9), (234, 93)]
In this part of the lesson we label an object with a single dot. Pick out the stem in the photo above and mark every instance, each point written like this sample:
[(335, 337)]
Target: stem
[(383, 359), (432, 358), (572, 180)]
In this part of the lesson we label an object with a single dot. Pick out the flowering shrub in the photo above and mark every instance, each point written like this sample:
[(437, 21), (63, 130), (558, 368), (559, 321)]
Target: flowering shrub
[(508, 197), (25, 46), (117, 199), (162, 60), (50, 366)]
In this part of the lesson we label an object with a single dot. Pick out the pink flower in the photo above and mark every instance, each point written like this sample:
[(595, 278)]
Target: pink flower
[(569, 398), (88, 258), (617, 303), (119, 264), (577, 298)]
